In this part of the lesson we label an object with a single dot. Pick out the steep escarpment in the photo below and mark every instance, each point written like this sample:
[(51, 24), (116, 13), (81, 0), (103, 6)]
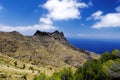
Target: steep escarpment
[(43, 48), (51, 51)]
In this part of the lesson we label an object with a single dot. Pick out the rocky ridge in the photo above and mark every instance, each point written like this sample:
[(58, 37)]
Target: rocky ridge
[(50, 52)]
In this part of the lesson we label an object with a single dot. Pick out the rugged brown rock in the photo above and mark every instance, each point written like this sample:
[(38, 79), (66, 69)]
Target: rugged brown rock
[(44, 50)]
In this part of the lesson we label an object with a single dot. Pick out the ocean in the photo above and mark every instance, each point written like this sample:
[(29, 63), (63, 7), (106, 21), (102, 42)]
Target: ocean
[(96, 45)]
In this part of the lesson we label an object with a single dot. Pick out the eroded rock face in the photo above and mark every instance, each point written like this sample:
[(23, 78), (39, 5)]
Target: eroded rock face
[(43, 48), (57, 45), (59, 36), (56, 35), (7, 44)]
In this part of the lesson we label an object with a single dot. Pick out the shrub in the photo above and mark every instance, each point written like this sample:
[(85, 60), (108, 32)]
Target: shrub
[(42, 76)]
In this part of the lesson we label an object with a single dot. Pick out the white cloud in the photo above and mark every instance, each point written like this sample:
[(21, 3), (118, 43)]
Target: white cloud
[(57, 10), (27, 30), (95, 15), (109, 20), (63, 9), (46, 20), (45, 24), (117, 9), (105, 21)]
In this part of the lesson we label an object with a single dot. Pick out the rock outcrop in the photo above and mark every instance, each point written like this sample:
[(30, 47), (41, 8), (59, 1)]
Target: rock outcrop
[(56, 35)]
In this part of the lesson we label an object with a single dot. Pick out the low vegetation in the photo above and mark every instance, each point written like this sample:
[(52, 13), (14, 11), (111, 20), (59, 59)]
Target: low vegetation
[(46, 54), (105, 68)]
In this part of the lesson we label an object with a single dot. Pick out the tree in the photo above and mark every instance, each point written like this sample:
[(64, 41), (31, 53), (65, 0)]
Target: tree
[(105, 56), (116, 53)]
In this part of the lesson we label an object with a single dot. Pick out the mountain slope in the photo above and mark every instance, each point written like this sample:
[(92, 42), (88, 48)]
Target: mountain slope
[(49, 51)]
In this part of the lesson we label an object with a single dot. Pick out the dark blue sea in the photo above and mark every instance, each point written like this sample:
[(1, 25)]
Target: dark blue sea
[(96, 45)]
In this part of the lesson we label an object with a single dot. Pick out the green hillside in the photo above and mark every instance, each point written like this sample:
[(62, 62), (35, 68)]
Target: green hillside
[(105, 68)]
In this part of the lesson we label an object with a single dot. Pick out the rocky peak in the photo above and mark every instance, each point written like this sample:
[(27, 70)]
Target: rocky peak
[(56, 35), (59, 36), (39, 33)]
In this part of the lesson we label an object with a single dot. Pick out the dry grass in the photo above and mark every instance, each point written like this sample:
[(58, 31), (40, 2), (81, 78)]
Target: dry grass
[(28, 56)]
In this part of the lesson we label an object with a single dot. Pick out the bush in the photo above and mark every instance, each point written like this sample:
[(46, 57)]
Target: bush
[(42, 76), (91, 70), (65, 74)]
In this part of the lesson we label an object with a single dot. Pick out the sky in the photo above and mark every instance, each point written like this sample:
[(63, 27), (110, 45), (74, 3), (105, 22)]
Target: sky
[(76, 18)]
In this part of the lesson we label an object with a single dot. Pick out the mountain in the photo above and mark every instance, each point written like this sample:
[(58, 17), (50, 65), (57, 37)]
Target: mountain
[(26, 56)]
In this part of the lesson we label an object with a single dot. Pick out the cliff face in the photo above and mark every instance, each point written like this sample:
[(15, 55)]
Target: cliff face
[(43, 49)]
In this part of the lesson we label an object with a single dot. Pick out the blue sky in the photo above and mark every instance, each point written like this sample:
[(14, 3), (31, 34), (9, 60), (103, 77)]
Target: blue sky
[(76, 18)]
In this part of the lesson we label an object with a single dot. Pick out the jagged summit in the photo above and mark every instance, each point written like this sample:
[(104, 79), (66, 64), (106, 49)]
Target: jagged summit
[(56, 35), (40, 33)]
